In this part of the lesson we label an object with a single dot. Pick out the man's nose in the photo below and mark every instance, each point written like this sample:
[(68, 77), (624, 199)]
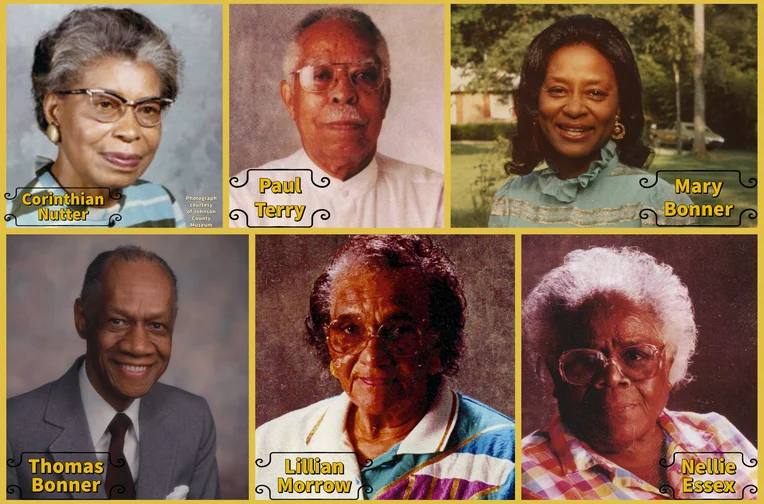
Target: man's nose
[(344, 91), (137, 340)]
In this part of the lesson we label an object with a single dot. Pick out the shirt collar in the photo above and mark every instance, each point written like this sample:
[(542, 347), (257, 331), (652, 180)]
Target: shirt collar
[(432, 432), (576, 456), (354, 187), (429, 436), (684, 436), (98, 412)]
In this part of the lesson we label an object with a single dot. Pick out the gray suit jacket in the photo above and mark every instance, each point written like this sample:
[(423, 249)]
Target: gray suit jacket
[(176, 446)]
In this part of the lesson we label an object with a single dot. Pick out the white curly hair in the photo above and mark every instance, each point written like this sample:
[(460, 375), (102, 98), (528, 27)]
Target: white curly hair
[(626, 271)]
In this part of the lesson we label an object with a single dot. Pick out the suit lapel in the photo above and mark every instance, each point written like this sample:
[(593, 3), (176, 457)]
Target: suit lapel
[(157, 451), (73, 444)]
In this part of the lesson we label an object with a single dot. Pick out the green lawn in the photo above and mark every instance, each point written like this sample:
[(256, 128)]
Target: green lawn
[(471, 186)]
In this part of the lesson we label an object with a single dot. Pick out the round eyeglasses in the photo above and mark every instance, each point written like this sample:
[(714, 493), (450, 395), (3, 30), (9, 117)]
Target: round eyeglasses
[(109, 107), (582, 366), (366, 77), (403, 338)]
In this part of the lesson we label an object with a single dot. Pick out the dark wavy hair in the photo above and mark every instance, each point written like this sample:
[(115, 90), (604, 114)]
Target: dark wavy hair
[(528, 145), (446, 303)]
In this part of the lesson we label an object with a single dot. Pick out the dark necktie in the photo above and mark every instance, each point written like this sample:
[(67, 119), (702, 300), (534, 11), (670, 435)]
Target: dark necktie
[(119, 479)]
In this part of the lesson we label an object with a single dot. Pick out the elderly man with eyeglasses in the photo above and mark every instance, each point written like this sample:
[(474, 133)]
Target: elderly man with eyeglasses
[(616, 330), (336, 89)]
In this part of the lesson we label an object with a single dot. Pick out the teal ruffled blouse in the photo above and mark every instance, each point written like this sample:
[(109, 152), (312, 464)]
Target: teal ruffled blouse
[(608, 194)]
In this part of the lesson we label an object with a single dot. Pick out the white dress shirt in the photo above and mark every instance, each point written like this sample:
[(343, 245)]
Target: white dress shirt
[(99, 415), (386, 194)]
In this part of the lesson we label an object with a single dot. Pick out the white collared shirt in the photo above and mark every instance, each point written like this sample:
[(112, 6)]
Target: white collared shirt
[(386, 194), (99, 415), (323, 426)]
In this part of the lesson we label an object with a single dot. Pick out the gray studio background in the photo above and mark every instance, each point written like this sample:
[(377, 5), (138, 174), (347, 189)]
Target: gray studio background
[(210, 340), (720, 274), (261, 130), (189, 160), (288, 376)]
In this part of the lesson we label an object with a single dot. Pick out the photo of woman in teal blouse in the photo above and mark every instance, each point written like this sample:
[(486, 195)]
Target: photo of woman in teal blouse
[(579, 111)]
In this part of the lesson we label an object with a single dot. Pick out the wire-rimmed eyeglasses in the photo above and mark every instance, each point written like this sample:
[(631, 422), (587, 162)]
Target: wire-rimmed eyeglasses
[(365, 76), (403, 337)]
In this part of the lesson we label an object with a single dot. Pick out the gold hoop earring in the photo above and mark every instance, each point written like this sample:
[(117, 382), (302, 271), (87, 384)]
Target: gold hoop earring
[(53, 133), (332, 370), (619, 131)]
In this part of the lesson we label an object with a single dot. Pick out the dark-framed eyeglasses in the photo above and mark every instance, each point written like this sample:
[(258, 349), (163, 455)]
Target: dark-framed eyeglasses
[(402, 337), (109, 107), (582, 366), (367, 77)]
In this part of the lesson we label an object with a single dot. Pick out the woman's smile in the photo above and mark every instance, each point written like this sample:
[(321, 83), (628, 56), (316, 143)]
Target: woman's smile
[(574, 133)]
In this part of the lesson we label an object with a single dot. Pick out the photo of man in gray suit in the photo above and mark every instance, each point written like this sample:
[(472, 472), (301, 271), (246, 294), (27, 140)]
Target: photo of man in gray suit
[(106, 428)]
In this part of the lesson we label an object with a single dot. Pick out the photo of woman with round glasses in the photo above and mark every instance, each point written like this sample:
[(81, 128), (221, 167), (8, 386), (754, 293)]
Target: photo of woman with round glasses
[(638, 370), (103, 82), (368, 351)]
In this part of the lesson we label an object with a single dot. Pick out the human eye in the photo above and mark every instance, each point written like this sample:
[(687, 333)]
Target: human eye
[(158, 328), (322, 73), (116, 324), (636, 354), (598, 94), (350, 329), (151, 109), (368, 75), (556, 91), (401, 331), (104, 102)]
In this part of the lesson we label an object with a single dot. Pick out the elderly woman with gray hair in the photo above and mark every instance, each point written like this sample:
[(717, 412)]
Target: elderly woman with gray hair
[(615, 329), (387, 319), (102, 81)]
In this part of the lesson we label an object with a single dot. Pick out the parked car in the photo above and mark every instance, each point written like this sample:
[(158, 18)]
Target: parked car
[(666, 136)]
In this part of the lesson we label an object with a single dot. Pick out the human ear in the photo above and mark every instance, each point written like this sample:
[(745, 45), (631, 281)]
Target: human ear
[(434, 366), (80, 320), (386, 92), (552, 366), (287, 94), (50, 106)]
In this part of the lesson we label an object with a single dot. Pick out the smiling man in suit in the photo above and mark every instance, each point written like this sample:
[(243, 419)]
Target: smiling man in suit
[(124, 435)]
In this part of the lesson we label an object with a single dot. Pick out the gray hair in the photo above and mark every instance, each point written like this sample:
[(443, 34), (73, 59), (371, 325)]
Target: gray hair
[(86, 35), (347, 14), (626, 271)]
